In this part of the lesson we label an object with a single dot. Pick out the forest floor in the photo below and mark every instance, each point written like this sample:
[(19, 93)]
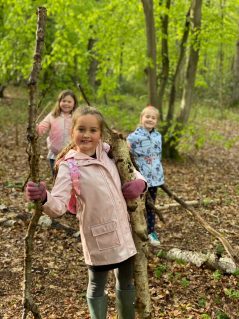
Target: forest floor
[(178, 290)]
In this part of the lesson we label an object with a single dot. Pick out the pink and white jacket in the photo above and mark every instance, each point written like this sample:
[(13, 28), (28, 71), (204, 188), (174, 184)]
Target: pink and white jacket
[(103, 218), (59, 129)]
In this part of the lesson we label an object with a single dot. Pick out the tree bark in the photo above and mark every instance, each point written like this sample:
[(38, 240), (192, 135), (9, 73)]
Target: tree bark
[(221, 62), (182, 51), (235, 89), (28, 304), (186, 101), (151, 52), (165, 59)]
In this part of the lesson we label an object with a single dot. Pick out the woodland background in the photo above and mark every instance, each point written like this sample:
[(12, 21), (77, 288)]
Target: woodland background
[(181, 56)]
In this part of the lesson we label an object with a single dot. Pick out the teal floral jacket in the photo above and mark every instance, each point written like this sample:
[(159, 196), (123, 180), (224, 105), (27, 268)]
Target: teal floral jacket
[(146, 148)]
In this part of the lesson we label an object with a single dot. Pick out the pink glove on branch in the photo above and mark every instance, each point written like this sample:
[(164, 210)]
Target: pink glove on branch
[(133, 189), (36, 191)]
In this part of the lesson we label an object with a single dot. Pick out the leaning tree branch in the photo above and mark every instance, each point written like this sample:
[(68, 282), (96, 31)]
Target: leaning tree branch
[(197, 216), (33, 153)]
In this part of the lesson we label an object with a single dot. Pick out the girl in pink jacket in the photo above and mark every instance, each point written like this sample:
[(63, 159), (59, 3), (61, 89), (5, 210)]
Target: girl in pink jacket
[(101, 209), (58, 124)]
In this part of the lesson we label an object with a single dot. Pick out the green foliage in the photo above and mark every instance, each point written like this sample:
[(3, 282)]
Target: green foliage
[(14, 113), (221, 315), (161, 254), (185, 282), (236, 273), (112, 35), (232, 293), (160, 270), (220, 249), (180, 261), (118, 31), (205, 316), (217, 275), (202, 302)]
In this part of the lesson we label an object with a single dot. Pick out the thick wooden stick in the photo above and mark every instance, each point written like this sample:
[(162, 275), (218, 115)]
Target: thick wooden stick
[(198, 217), (28, 304), (136, 209)]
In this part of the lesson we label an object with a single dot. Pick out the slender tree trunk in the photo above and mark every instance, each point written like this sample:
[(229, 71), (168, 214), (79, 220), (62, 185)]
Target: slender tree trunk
[(2, 88), (28, 304), (186, 101), (235, 89), (151, 51), (169, 148), (221, 61), (182, 51), (165, 59)]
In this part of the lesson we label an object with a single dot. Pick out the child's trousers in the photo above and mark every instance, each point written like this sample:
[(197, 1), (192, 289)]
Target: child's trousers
[(98, 279), (125, 292), (150, 213)]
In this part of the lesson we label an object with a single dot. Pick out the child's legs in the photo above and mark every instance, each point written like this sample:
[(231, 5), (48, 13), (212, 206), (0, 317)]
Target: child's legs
[(96, 283), (52, 163), (150, 213), (124, 275)]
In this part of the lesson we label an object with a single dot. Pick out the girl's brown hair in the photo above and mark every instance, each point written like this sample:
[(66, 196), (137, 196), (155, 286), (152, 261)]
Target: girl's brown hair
[(57, 110), (88, 110), (79, 112)]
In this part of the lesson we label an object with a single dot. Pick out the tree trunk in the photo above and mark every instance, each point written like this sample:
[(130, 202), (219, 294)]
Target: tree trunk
[(186, 101), (235, 89), (169, 148), (221, 62), (2, 88), (151, 52), (172, 94), (165, 59)]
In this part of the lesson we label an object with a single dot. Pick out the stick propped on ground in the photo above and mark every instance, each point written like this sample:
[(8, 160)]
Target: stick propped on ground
[(33, 152)]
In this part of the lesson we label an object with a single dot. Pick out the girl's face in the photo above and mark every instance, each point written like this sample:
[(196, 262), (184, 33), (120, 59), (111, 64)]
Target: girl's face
[(86, 134), (67, 104), (149, 119)]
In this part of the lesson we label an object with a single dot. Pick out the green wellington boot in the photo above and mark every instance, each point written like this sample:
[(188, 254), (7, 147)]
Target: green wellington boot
[(97, 307), (125, 303)]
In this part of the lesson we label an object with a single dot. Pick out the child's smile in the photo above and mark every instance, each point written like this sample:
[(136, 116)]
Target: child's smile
[(87, 134)]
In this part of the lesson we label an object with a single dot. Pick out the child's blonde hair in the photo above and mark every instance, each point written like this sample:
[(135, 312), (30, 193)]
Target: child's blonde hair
[(57, 110), (149, 107), (80, 112)]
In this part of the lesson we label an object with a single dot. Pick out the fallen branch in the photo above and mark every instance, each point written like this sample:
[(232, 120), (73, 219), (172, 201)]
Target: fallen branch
[(28, 303), (204, 202), (198, 217), (210, 260)]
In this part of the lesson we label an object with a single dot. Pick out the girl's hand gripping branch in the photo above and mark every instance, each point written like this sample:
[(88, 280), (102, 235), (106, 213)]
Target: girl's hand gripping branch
[(36, 191), (133, 189)]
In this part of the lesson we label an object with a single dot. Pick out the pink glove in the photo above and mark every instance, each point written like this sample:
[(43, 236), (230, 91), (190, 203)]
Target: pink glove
[(133, 189), (36, 191)]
